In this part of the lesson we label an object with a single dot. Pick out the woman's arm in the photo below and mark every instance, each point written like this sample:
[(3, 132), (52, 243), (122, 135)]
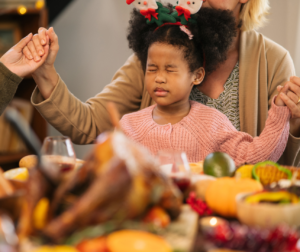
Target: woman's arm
[(81, 121), (84, 121)]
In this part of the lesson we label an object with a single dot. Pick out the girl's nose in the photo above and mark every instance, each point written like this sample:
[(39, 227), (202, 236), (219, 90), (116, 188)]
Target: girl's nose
[(145, 2), (188, 2), (160, 78)]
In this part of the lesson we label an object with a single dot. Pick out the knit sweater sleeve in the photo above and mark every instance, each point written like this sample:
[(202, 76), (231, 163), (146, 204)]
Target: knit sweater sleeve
[(244, 148)]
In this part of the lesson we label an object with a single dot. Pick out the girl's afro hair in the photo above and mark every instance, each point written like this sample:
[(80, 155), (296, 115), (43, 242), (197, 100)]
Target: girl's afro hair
[(213, 32)]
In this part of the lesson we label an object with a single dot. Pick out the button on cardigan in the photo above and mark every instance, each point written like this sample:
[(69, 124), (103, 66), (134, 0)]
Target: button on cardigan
[(205, 130)]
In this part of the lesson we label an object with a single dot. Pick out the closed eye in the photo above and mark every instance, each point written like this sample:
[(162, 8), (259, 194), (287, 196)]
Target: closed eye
[(171, 69)]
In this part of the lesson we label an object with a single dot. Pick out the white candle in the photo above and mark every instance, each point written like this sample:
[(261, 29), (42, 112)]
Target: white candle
[(209, 223)]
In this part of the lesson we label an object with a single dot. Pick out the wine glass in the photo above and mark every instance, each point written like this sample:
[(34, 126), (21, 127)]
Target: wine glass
[(175, 165), (58, 155)]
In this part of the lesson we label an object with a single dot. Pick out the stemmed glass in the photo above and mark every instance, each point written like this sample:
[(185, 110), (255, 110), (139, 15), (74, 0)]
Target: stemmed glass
[(175, 165), (58, 155)]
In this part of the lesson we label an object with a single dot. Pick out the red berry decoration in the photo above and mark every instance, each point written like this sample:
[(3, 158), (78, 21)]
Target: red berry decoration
[(235, 236), (198, 205)]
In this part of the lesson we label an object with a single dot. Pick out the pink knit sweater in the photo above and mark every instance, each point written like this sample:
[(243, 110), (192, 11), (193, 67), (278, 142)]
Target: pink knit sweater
[(205, 130)]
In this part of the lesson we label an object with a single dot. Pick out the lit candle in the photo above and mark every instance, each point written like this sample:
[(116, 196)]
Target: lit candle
[(209, 223)]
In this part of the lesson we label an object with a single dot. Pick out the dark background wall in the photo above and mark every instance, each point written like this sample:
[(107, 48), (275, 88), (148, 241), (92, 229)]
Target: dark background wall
[(55, 7)]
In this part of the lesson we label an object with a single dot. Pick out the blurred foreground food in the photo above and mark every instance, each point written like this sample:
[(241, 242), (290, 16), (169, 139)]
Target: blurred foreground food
[(118, 181)]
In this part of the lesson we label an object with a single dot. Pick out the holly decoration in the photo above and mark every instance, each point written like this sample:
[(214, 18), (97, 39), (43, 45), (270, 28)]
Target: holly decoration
[(198, 205), (161, 15)]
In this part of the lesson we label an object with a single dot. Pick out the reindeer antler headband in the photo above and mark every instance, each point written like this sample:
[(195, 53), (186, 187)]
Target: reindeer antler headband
[(156, 13)]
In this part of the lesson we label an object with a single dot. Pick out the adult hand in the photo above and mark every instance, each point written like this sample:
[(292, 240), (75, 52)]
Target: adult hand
[(16, 62), (45, 76), (292, 101)]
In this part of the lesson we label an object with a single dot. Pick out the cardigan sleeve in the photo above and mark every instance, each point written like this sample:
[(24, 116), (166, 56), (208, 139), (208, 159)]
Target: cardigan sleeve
[(8, 86), (244, 148), (83, 121)]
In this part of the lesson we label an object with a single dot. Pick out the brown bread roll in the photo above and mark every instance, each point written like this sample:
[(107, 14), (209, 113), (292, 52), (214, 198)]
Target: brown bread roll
[(29, 161)]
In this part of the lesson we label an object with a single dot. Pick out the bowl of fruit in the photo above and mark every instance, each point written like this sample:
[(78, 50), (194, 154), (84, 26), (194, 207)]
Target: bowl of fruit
[(268, 209)]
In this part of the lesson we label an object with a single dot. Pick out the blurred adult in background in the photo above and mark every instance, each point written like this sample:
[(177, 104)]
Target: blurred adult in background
[(242, 87), (14, 66)]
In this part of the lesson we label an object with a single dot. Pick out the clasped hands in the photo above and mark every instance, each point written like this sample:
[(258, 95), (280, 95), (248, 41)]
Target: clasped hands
[(290, 94), (33, 53)]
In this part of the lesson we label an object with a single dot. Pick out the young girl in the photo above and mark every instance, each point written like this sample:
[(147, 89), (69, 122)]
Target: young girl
[(175, 58)]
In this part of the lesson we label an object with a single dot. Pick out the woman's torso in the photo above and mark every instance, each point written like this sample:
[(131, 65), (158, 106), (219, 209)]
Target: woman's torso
[(227, 102)]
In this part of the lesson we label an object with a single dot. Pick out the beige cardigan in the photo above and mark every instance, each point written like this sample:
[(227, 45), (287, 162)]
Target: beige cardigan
[(263, 66)]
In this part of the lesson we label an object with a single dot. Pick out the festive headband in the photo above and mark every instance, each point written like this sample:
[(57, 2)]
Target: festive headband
[(156, 13)]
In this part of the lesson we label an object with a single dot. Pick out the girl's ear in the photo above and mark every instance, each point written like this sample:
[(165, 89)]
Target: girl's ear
[(199, 75)]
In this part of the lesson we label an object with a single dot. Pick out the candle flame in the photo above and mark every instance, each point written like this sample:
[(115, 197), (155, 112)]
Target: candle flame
[(213, 221)]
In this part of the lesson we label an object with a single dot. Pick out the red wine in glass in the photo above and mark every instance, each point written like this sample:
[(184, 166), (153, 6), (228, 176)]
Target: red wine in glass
[(182, 182), (65, 167), (58, 157), (63, 164)]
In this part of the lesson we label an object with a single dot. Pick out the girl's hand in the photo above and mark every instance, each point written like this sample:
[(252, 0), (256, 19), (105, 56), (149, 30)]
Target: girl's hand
[(18, 63), (291, 98)]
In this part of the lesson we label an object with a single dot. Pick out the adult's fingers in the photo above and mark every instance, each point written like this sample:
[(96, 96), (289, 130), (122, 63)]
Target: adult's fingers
[(23, 42), (293, 97), (293, 87), (33, 51), (295, 110), (295, 80), (27, 53), (54, 46), (42, 35), (38, 46)]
